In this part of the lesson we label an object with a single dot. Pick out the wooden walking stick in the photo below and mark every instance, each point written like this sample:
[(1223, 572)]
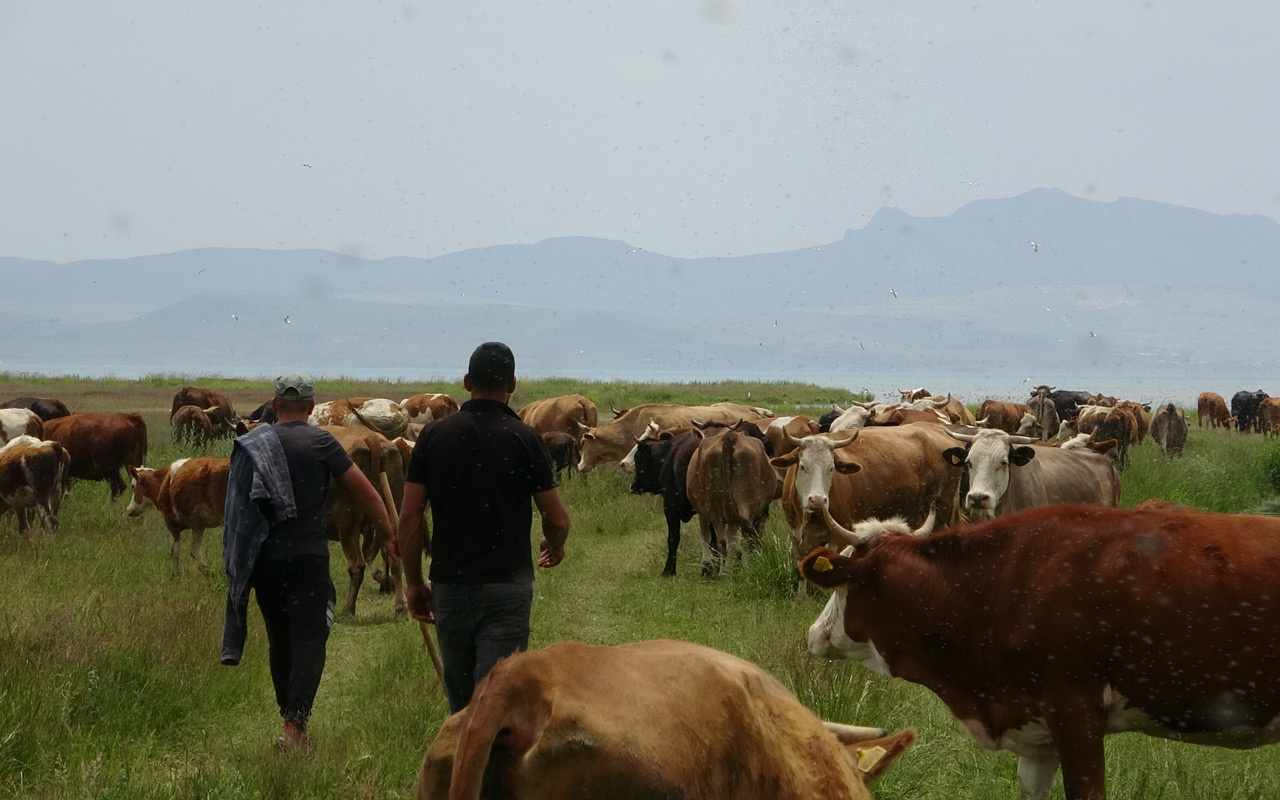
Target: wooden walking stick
[(433, 650)]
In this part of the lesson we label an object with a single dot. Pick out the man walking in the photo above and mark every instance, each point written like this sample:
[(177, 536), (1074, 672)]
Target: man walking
[(276, 544), (478, 470)]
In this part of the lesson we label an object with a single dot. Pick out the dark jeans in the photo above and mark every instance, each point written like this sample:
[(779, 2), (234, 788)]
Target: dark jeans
[(478, 624), (296, 597)]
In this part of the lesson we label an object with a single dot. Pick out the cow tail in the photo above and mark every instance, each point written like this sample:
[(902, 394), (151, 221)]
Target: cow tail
[(504, 722)]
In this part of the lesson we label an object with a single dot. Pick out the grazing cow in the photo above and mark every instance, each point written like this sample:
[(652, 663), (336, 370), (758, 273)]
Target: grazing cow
[(563, 449), (1043, 631), (1244, 407), (192, 425), (613, 440), (1141, 418), (46, 408), (1210, 406), (347, 518), (1046, 416), (427, 408), (378, 415), (101, 444), (222, 417), (730, 484), (653, 719), (15, 422), (876, 472), (190, 493), (33, 477), (1001, 416), (1003, 474), (570, 413), (1169, 428)]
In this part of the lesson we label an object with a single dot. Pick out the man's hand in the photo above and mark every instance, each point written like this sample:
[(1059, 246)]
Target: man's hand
[(549, 556), (419, 599)]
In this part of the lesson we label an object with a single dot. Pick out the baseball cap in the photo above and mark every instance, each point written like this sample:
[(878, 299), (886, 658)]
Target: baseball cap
[(492, 364), (295, 384)]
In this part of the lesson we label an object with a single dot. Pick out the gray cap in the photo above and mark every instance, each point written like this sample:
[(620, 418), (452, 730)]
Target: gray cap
[(295, 384)]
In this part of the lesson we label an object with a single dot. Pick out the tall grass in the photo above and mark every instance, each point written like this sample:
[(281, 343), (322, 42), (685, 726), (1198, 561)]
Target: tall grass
[(110, 685)]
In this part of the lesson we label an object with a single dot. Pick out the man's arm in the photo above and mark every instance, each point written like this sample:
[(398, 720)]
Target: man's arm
[(555, 527), (356, 482), (412, 544)]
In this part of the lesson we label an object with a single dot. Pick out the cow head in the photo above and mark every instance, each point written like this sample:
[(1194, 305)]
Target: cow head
[(144, 483), (816, 462), (646, 462), (628, 462), (987, 459)]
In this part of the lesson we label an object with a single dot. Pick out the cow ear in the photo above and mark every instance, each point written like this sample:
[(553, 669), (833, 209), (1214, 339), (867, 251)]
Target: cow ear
[(132, 470), (875, 755), (1020, 456), (786, 460), (825, 568), (955, 456), (845, 466)]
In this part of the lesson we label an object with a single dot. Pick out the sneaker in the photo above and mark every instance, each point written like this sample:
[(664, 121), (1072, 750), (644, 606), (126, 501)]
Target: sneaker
[(291, 738)]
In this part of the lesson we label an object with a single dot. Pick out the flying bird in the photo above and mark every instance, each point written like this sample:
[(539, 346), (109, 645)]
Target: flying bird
[(233, 316), (286, 319), (1035, 247), (308, 166), (893, 292), (1094, 335)]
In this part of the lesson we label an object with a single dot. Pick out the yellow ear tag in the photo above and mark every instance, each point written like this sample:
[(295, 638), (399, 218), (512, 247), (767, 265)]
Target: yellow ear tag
[(821, 564), (867, 759)]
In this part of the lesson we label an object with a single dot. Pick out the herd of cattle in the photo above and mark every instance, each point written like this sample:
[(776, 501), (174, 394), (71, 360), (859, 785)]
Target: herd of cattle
[(1044, 616)]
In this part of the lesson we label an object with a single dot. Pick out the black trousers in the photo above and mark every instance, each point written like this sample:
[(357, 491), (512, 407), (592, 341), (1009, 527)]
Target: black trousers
[(296, 597)]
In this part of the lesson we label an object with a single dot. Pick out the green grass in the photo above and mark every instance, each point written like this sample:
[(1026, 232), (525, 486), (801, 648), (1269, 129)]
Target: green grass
[(110, 685)]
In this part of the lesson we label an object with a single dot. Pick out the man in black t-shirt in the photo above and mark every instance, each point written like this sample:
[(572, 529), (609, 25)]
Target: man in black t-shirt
[(480, 471), (277, 544)]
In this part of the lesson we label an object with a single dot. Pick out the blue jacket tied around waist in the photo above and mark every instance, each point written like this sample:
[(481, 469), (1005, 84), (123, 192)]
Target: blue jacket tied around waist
[(258, 494)]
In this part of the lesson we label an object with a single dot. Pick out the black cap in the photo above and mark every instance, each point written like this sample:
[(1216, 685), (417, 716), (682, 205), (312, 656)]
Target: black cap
[(492, 365)]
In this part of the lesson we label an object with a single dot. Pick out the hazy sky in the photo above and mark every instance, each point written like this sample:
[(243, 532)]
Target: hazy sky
[(691, 128)]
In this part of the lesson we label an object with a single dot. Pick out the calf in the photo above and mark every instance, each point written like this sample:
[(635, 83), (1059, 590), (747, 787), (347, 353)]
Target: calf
[(1211, 407), (564, 451), (1044, 630), (190, 493), (655, 719)]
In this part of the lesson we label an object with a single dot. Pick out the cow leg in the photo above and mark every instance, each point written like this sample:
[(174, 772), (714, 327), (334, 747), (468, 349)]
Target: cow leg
[(116, 485), (1077, 728), (673, 540), (709, 548), (355, 566), (175, 552), (197, 550), (1035, 776), (24, 522)]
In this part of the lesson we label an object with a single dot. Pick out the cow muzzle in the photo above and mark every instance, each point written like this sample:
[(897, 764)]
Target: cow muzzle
[(816, 502), (980, 500)]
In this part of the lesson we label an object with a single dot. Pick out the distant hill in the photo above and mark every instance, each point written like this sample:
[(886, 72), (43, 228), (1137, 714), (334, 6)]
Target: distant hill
[(1126, 287)]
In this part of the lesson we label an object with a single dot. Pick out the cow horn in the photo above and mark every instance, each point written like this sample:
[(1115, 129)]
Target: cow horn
[(1015, 439), (964, 437), (941, 403), (695, 423), (583, 427), (211, 409)]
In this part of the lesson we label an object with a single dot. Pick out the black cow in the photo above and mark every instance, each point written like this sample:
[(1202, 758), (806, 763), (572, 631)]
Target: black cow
[(1065, 401), (263, 413), (824, 421), (1244, 406), (46, 408)]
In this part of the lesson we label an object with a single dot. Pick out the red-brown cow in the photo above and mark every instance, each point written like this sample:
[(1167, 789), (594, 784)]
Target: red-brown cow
[(101, 444), (656, 719), (222, 415), (1045, 630), (426, 408), (1269, 416), (1210, 406), (190, 493), (1002, 416), (33, 476), (570, 413), (784, 432), (613, 440)]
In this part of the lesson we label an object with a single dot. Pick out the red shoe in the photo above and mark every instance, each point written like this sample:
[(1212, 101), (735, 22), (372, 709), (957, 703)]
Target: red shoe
[(291, 738)]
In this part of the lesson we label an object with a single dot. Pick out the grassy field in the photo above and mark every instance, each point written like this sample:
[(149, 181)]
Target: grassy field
[(110, 685)]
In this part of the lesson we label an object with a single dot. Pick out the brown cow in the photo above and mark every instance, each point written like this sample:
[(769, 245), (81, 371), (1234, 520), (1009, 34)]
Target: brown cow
[(570, 413), (100, 444), (1141, 416), (347, 518), (193, 426), (784, 432), (1211, 407), (190, 493), (730, 485), (1269, 416), (1119, 424), (33, 477), (222, 415), (377, 414), (655, 719), (427, 408), (1169, 429), (564, 451), (1045, 630), (15, 422), (613, 440), (1000, 415)]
